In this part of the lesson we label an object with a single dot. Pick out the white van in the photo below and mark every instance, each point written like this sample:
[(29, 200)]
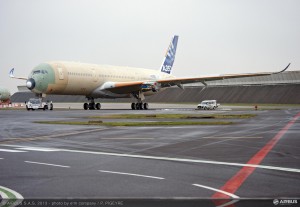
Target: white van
[(37, 103), (208, 105)]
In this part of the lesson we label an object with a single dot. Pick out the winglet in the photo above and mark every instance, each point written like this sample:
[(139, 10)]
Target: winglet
[(283, 69), (167, 65), (11, 73)]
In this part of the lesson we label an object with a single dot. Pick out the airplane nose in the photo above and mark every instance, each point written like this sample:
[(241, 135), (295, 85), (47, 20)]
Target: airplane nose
[(30, 83)]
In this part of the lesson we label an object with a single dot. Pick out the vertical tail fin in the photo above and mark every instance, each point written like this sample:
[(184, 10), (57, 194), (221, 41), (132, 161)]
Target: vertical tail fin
[(167, 65)]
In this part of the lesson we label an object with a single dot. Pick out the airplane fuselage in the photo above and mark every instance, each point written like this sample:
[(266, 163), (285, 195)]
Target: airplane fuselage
[(71, 78)]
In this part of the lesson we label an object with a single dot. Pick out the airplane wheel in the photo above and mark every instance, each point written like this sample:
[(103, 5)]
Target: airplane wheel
[(98, 106), (146, 106), (137, 106), (141, 106), (91, 106), (85, 106), (133, 106)]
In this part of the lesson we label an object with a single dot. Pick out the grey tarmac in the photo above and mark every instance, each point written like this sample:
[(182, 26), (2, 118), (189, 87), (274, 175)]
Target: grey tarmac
[(66, 161)]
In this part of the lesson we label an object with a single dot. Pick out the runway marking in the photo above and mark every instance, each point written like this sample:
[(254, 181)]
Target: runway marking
[(138, 175), (223, 192), (125, 138), (41, 149), (232, 137), (227, 139), (295, 170), (73, 133), (3, 196), (216, 190), (24, 139), (229, 203), (41, 163), (287, 112), (187, 160), (234, 183), (8, 150), (10, 195)]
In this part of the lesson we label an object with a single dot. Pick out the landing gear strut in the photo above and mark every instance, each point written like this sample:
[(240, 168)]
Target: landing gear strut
[(91, 105), (140, 105)]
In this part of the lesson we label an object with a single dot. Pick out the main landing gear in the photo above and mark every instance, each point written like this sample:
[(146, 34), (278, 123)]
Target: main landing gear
[(140, 105), (91, 105)]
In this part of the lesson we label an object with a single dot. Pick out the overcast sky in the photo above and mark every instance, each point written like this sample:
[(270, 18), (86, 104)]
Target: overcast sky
[(215, 36)]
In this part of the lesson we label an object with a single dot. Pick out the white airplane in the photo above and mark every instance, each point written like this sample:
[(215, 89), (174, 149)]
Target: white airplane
[(103, 81)]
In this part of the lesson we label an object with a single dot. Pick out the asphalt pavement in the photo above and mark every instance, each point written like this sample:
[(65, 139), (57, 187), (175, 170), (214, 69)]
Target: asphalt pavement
[(253, 158)]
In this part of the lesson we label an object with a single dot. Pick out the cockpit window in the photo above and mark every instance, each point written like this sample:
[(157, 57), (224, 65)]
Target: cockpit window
[(39, 71), (36, 72)]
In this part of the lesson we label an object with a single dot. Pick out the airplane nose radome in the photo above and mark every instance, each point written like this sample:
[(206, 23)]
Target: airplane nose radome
[(30, 83)]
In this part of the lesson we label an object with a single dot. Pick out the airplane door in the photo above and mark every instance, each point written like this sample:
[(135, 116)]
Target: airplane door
[(61, 79), (60, 73), (95, 77)]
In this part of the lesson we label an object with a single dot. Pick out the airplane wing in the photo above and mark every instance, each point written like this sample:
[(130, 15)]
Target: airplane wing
[(128, 87), (168, 63), (11, 75), (123, 87), (204, 79)]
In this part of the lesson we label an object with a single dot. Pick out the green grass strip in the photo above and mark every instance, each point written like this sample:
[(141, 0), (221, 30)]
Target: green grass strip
[(174, 116)]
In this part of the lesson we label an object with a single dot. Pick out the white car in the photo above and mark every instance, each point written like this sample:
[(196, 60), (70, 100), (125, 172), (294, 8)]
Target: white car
[(208, 105), (36, 103)]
